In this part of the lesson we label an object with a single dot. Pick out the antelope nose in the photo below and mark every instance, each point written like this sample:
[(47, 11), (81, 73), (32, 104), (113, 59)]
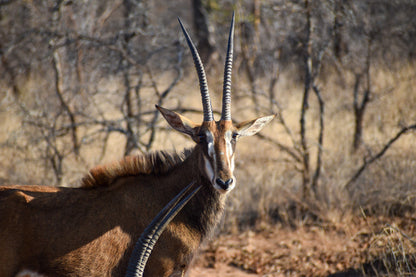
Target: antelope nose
[(224, 185)]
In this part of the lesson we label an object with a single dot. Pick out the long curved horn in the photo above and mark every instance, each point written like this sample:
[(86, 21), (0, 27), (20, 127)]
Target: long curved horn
[(151, 234), (226, 94), (203, 85)]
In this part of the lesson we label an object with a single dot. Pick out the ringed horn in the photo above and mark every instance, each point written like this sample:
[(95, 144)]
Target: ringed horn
[(151, 234), (203, 84)]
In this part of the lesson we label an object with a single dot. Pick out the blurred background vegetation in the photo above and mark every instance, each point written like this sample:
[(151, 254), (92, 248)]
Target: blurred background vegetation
[(79, 80)]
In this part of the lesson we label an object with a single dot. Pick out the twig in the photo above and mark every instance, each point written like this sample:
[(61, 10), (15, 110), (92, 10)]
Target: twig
[(164, 94), (412, 241), (378, 155), (280, 146), (58, 89), (317, 173)]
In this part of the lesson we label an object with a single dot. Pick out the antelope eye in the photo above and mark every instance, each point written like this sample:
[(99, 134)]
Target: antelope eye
[(202, 137), (234, 136)]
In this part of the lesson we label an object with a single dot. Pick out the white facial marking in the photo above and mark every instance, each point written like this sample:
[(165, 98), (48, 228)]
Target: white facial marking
[(209, 170), (227, 160), (228, 146), (210, 142)]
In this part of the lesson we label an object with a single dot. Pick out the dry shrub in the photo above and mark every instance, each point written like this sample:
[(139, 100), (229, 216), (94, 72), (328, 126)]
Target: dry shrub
[(354, 247), (269, 186), (390, 252)]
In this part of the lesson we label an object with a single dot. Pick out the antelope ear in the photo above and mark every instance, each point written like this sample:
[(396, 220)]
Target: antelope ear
[(252, 127), (178, 122)]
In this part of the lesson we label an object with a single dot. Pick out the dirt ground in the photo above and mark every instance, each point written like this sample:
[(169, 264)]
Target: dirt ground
[(370, 247)]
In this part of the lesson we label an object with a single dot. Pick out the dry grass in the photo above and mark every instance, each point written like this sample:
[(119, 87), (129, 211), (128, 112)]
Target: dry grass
[(364, 230), (363, 247), (322, 236), (272, 191)]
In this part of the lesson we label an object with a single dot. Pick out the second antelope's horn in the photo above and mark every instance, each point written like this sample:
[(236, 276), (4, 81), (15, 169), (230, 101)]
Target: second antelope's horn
[(151, 234)]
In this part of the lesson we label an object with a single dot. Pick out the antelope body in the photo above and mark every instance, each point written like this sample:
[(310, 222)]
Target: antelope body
[(91, 230)]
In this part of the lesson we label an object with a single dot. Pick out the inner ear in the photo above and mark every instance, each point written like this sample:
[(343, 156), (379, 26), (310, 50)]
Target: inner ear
[(251, 127), (179, 122)]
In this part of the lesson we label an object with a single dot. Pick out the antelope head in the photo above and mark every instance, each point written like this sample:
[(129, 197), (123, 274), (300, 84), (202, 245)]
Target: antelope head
[(217, 139)]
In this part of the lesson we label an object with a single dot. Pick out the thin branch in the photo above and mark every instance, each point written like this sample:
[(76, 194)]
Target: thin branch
[(59, 93), (164, 94), (282, 147), (274, 103), (316, 175), (248, 59), (412, 241), (106, 14), (378, 155), (359, 108)]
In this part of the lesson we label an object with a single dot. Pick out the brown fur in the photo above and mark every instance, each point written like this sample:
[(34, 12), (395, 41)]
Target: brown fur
[(154, 163), (90, 231)]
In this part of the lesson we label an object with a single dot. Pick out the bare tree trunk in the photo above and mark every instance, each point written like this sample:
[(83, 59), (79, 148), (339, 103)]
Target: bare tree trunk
[(257, 20), (131, 135), (318, 167), (307, 85), (249, 38), (11, 73), (360, 106), (205, 48), (337, 37), (312, 70), (358, 114)]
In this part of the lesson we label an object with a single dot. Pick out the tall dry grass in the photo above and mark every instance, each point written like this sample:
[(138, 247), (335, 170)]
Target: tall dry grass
[(269, 183)]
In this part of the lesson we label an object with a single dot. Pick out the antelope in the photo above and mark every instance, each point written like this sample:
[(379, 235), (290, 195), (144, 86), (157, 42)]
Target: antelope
[(92, 230)]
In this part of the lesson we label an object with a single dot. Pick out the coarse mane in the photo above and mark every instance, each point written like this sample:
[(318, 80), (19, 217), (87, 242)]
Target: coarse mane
[(158, 162)]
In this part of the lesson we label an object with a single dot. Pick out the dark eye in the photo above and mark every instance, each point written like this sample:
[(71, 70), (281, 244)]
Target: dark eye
[(234, 136), (202, 138)]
